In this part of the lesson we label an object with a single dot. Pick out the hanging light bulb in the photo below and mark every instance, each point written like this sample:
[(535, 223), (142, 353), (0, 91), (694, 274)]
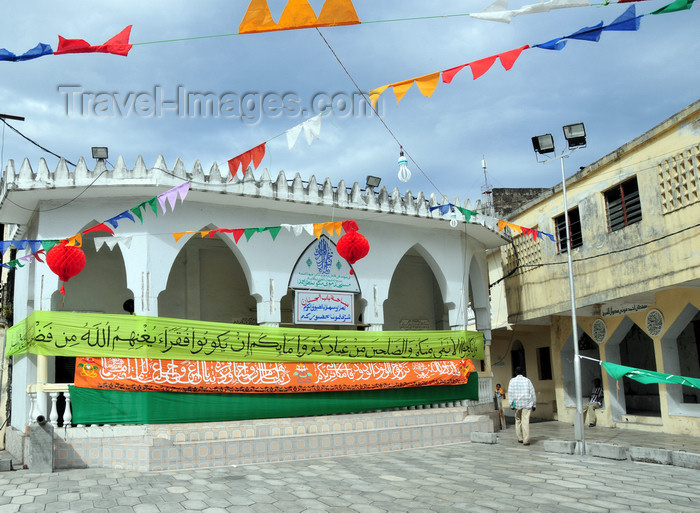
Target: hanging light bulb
[(404, 172), (453, 218)]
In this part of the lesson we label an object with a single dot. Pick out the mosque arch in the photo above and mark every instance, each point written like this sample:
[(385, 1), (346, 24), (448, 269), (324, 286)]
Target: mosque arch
[(209, 280), (416, 294)]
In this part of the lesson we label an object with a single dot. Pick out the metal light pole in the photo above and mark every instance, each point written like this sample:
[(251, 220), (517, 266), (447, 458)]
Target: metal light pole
[(576, 138)]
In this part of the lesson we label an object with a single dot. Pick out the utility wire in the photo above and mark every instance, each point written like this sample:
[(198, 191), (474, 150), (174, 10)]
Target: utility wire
[(364, 95), (35, 143)]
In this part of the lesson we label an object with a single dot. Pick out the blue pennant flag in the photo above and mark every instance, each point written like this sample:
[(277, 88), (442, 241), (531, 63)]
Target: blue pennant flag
[(38, 51)]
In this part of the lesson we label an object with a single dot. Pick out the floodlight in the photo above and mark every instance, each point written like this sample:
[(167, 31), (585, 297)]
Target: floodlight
[(99, 152), (543, 143), (575, 135)]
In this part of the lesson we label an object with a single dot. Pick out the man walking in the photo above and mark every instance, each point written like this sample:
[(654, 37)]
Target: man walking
[(522, 399)]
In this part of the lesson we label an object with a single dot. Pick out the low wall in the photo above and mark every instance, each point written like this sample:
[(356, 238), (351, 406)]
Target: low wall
[(182, 446)]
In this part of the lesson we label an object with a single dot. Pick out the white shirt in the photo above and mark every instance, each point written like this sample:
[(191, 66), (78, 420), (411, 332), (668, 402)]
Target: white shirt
[(522, 393)]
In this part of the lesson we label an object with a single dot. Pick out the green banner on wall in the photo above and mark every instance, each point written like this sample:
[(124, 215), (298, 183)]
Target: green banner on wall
[(130, 336), (93, 406)]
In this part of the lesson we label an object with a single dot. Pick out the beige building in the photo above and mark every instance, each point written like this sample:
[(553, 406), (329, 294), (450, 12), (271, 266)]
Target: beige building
[(635, 231)]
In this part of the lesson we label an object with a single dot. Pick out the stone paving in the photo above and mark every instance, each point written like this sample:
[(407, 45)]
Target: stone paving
[(505, 477)]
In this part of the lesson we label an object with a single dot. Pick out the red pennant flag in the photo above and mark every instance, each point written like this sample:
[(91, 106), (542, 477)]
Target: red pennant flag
[(449, 74), (482, 66), (237, 234), (118, 45), (100, 228), (255, 155), (509, 58)]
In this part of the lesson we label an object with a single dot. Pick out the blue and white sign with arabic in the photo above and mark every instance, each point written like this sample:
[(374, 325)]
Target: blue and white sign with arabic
[(319, 307), (320, 267)]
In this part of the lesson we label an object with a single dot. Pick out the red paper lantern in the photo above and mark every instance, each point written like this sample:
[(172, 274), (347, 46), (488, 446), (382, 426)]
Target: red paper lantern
[(352, 246), (66, 262)]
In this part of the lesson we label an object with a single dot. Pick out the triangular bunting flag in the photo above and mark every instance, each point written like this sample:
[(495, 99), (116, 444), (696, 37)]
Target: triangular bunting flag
[(118, 45), (374, 94), (123, 215), (249, 232), (400, 89), (38, 51), (312, 129), (628, 20), (257, 18), (274, 231), (237, 233), (318, 229), (449, 74), (297, 14), (677, 5), (338, 12), (509, 58), (482, 65), (428, 83), (102, 227), (178, 236)]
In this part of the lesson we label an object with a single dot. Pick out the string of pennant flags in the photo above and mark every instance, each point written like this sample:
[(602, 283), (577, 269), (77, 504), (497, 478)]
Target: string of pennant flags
[(448, 208), (38, 248), (311, 128), (427, 84), (315, 229), (298, 14)]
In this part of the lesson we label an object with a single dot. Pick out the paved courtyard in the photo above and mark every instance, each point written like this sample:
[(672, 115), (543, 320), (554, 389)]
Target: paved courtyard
[(463, 477)]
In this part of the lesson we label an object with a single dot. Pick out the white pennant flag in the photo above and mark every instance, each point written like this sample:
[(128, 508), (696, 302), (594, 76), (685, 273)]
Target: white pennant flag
[(311, 128), (113, 241)]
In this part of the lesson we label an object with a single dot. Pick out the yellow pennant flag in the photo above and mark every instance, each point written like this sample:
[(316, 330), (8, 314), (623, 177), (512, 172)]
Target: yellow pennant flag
[(75, 240), (374, 94), (401, 88), (428, 83), (318, 229)]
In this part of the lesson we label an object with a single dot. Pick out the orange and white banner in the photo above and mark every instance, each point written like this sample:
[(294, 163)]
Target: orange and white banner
[(141, 374)]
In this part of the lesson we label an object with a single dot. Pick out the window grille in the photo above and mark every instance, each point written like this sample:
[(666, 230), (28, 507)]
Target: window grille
[(574, 228), (623, 205)]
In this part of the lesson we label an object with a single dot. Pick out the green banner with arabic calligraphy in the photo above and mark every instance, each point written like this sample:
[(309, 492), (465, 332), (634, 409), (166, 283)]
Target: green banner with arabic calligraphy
[(130, 336)]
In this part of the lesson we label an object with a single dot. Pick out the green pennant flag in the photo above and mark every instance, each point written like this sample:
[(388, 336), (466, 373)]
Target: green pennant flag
[(249, 233), (153, 202), (48, 244), (137, 211), (647, 376), (467, 213), (274, 230), (676, 5)]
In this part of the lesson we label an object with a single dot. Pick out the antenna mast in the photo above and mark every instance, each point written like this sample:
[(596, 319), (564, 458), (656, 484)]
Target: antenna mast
[(486, 191)]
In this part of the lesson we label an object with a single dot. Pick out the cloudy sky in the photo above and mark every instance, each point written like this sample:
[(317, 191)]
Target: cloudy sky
[(619, 87)]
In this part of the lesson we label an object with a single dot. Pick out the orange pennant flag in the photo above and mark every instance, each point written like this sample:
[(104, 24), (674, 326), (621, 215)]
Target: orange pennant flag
[(338, 12), (75, 240), (400, 89), (257, 18), (297, 14), (330, 228), (178, 236), (338, 227), (515, 227), (318, 229), (428, 83), (374, 94)]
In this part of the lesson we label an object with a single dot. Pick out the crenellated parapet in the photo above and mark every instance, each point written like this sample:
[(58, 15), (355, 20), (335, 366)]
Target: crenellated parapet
[(218, 180)]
